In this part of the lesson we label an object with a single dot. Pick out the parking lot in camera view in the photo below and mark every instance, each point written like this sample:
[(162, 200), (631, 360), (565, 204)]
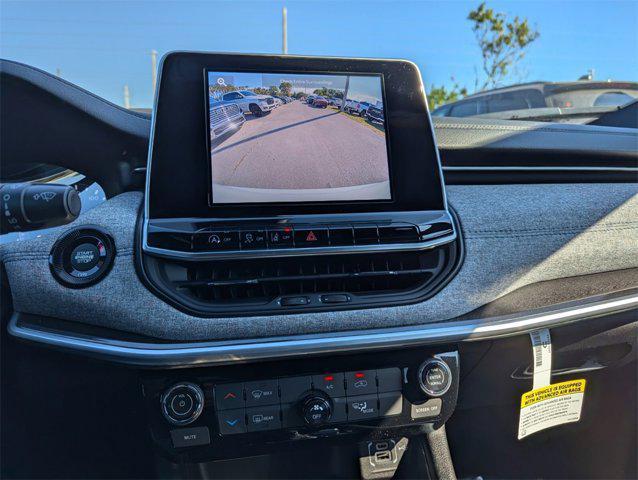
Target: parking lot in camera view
[(297, 146)]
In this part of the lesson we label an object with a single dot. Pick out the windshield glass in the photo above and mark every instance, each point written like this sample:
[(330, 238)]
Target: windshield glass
[(496, 59), (248, 93)]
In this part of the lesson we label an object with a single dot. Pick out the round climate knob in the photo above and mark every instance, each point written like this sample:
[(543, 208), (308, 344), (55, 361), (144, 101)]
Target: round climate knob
[(316, 410), (182, 403), (435, 377)]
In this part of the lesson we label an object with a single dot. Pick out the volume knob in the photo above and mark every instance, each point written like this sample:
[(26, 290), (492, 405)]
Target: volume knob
[(182, 403)]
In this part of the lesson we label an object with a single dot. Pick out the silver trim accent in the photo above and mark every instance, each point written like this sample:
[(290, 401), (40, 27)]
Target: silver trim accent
[(229, 352), (495, 168)]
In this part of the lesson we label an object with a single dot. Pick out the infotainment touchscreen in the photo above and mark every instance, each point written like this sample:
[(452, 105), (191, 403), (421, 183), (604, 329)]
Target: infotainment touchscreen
[(296, 138)]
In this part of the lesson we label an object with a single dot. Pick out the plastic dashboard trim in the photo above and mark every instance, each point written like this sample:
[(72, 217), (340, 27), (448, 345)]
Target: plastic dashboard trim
[(191, 309), (219, 353)]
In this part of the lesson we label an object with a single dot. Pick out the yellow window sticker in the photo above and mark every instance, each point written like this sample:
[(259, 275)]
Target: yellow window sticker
[(550, 406)]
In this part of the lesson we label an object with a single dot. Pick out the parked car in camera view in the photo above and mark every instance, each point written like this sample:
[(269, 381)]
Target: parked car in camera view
[(374, 114), (320, 102), (335, 102), (543, 100), (310, 99), (250, 102), (357, 108), (224, 119)]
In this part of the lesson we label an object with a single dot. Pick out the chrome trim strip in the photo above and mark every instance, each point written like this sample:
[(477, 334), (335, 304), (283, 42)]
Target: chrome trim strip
[(219, 353), (536, 169)]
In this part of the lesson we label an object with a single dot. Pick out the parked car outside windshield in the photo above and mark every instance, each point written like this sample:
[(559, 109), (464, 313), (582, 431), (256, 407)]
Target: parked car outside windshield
[(551, 100), (569, 56)]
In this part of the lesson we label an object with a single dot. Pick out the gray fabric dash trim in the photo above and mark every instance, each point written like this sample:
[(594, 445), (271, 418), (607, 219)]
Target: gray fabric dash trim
[(515, 235)]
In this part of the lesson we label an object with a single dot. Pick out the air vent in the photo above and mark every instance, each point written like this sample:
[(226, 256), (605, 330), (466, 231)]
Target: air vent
[(259, 285)]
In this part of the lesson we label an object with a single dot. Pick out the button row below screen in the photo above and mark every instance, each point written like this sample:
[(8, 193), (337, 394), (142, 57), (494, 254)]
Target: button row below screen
[(291, 237), (289, 389)]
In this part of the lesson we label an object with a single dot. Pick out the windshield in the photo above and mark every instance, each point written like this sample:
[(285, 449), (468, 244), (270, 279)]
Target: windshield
[(496, 59), (248, 93)]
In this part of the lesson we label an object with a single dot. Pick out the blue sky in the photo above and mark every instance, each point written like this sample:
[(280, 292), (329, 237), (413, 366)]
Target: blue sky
[(104, 45), (361, 88)]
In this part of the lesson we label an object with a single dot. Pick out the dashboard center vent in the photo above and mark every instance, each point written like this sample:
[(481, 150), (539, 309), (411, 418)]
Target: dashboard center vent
[(327, 282)]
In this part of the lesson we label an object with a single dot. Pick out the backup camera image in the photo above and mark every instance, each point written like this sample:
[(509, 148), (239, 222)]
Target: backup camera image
[(297, 138)]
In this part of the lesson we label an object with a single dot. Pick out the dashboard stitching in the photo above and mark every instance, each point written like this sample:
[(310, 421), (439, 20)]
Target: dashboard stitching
[(16, 257), (574, 227), (553, 233), (530, 129)]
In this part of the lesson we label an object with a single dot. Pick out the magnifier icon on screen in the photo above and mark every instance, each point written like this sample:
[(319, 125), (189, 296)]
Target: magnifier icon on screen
[(222, 82)]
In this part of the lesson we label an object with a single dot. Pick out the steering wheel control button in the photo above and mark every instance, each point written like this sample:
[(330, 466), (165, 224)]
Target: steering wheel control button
[(85, 257), (262, 393), (182, 403), (312, 237), (293, 388), (361, 382), (263, 418), (389, 379), (330, 383), (363, 407), (316, 410), (252, 239), (232, 421), (190, 437), (281, 238), (229, 396), (82, 257), (435, 377), (390, 403), (429, 409)]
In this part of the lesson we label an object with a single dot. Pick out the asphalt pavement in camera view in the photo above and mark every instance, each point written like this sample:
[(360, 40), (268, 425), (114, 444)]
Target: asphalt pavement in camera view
[(297, 146)]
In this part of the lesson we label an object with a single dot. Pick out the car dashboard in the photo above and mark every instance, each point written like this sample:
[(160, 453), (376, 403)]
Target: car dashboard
[(366, 321)]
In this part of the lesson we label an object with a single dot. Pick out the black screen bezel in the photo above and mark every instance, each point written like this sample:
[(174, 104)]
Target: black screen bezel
[(178, 184), (213, 204)]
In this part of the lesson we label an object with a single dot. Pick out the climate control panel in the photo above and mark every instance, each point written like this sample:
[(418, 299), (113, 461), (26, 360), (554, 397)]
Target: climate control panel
[(224, 412), (308, 400)]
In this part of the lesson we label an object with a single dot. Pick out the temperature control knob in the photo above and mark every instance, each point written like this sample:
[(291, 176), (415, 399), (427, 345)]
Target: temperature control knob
[(316, 410)]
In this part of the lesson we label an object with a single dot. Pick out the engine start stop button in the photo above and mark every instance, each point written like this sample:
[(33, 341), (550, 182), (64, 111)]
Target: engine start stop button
[(84, 257)]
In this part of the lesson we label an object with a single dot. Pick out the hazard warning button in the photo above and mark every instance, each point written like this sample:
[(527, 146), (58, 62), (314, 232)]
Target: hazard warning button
[(311, 237)]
